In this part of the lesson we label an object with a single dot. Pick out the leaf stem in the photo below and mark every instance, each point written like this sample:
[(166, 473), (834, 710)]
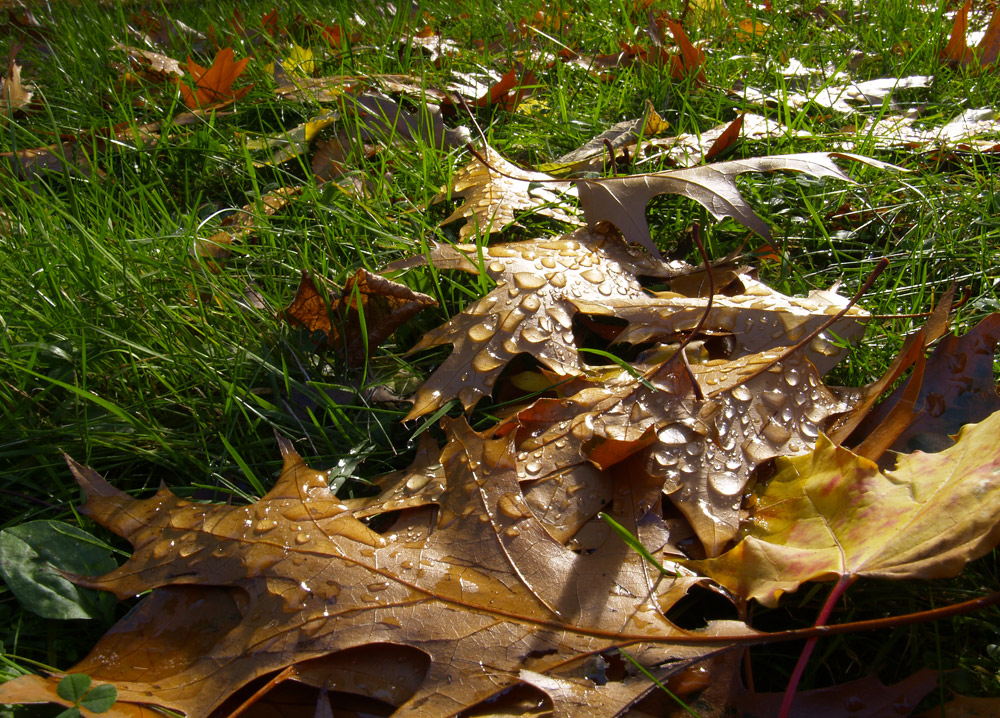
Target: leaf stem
[(843, 583)]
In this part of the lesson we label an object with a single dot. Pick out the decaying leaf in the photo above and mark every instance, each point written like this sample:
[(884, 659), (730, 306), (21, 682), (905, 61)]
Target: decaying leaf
[(295, 578), (14, 94), (368, 311), (496, 190), (828, 513), (622, 200)]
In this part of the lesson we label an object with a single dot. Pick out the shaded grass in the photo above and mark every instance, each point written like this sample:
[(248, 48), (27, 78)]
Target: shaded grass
[(123, 351)]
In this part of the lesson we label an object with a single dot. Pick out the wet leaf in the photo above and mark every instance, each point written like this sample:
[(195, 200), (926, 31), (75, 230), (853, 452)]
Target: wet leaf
[(828, 513), (296, 578), (541, 285), (496, 191)]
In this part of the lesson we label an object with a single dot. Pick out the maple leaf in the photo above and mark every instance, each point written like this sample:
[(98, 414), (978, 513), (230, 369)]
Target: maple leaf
[(214, 85), (295, 578), (828, 513), (495, 190), (622, 200), (369, 310)]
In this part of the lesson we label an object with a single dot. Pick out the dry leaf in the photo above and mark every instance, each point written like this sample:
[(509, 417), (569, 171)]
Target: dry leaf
[(214, 85), (622, 200), (368, 311)]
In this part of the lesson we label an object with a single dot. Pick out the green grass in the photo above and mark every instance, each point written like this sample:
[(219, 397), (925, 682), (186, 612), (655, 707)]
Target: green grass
[(121, 350)]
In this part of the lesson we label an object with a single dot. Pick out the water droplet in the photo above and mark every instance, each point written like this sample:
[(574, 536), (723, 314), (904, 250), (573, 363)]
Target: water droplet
[(793, 376), (162, 549), (533, 467), (265, 525), (417, 482), (486, 361), (496, 267), (512, 506), (776, 433), (808, 429), (302, 538), (376, 587), (557, 279), (528, 280), (726, 483), (733, 464), (595, 276), (741, 393), (673, 434), (186, 549), (548, 263), (512, 531), (531, 303), (480, 332), (774, 399)]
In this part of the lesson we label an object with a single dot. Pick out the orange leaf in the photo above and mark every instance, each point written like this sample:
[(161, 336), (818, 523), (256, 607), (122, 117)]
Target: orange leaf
[(691, 60), (956, 52), (726, 140), (213, 85)]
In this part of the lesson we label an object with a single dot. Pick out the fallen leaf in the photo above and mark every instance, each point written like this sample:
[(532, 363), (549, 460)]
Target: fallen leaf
[(958, 54), (369, 310), (245, 591), (862, 698), (496, 190), (15, 95), (828, 513), (622, 200), (298, 63), (531, 310), (214, 85), (963, 391)]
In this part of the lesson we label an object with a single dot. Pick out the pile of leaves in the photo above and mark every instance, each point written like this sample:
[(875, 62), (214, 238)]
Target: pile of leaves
[(537, 565), (496, 561)]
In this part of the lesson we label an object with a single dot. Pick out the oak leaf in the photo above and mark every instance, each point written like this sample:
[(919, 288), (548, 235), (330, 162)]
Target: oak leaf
[(622, 200), (832, 513), (496, 190), (296, 579), (539, 285), (214, 85), (15, 95)]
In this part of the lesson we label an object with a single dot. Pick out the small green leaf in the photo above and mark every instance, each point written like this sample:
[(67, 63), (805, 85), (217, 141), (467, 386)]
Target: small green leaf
[(32, 553), (100, 699), (73, 687)]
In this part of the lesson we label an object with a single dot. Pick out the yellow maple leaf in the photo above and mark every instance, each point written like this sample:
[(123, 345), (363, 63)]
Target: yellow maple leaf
[(298, 63)]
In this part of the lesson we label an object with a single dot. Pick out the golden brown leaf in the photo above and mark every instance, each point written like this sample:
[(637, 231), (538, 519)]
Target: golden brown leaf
[(295, 578)]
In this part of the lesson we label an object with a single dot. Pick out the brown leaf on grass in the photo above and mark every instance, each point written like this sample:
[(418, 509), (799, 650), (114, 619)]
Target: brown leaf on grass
[(961, 389), (531, 310), (622, 200), (296, 579), (958, 54), (15, 96), (496, 191), (152, 65), (214, 85), (829, 513), (368, 311), (509, 91), (238, 227), (862, 698)]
